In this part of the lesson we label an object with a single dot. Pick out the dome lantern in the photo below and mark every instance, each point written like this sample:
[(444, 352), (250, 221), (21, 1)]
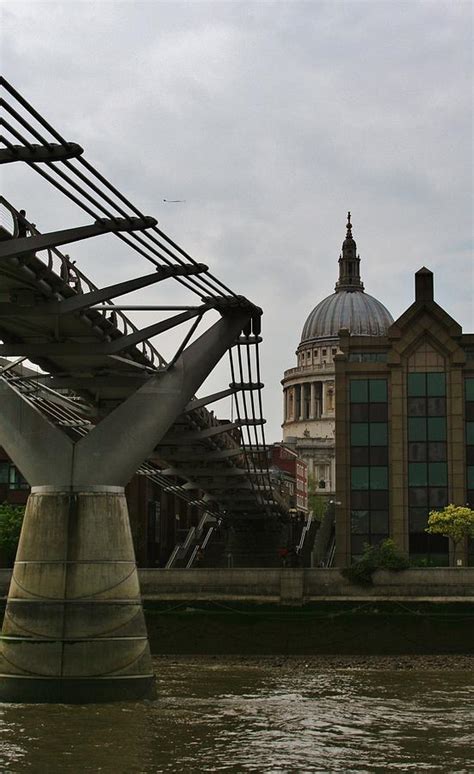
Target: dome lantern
[(349, 306), (349, 263)]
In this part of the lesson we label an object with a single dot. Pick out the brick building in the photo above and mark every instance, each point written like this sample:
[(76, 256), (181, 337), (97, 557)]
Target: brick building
[(290, 473)]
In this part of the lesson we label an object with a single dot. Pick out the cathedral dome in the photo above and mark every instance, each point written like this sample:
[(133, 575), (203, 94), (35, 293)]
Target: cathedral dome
[(349, 307), (360, 313)]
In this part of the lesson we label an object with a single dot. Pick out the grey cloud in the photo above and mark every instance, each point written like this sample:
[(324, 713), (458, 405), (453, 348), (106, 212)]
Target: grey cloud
[(271, 120)]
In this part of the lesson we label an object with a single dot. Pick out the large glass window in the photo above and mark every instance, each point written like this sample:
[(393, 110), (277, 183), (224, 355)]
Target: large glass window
[(359, 434), (378, 434), (427, 463), (470, 433), (369, 462), (359, 390)]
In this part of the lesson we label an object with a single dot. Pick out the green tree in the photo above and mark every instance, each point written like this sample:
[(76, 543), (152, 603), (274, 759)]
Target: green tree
[(454, 521), (316, 502), (11, 519)]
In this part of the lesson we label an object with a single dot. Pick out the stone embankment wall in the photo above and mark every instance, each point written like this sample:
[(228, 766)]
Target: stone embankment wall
[(298, 586), (305, 612)]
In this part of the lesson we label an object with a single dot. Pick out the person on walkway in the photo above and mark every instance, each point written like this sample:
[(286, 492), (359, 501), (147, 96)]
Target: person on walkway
[(283, 555), (22, 224)]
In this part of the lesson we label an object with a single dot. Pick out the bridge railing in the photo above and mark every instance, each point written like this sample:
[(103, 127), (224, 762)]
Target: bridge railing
[(63, 268)]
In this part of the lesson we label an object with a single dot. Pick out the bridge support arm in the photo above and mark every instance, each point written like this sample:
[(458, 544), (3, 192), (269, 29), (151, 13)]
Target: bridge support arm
[(14, 248), (114, 450), (43, 453), (38, 153)]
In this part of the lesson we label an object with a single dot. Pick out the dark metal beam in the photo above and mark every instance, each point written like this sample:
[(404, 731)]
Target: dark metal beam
[(81, 301), (153, 330), (89, 382), (38, 153), (140, 308), (213, 398), (206, 472), (198, 435), (13, 248), (229, 486), (92, 349), (189, 455)]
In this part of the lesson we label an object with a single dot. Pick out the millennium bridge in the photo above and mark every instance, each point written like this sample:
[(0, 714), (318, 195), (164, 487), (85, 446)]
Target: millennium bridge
[(103, 404)]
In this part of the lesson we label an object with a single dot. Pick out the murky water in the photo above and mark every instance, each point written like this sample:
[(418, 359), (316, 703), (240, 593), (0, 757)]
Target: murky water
[(257, 716)]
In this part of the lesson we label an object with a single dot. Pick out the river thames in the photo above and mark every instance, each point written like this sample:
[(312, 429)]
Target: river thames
[(265, 714)]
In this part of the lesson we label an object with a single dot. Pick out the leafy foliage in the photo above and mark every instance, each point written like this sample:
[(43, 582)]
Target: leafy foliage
[(454, 521), (316, 502), (11, 519), (384, 556)]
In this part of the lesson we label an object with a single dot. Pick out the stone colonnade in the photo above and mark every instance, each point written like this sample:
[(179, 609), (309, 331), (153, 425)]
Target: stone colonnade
[(307, 400)]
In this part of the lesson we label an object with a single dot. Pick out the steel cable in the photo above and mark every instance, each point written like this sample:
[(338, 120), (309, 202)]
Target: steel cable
[(140, 243), (210, 279)]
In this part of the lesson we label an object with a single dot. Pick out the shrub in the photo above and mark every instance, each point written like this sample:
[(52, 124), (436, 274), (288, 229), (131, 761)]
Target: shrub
[(11, 519), (384, 556)]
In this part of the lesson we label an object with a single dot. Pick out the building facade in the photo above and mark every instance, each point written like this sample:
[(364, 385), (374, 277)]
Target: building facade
[(404, 430), (289, 473), (309, 388)]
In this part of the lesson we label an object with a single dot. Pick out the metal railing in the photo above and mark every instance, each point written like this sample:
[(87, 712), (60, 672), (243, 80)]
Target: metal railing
[(64, 269), (304, 532)]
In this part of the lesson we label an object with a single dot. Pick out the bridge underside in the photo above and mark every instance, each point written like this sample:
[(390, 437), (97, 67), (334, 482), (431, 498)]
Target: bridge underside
[(74, 628)]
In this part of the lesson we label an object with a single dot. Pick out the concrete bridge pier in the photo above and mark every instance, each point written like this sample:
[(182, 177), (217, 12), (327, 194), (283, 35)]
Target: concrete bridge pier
[(74, 629), (74, 626)]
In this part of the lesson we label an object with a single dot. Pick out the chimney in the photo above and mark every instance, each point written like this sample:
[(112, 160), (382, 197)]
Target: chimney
[(424, 285)]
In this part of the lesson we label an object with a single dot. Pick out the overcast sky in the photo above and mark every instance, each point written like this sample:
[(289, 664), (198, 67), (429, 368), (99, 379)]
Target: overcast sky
[(271, 119)]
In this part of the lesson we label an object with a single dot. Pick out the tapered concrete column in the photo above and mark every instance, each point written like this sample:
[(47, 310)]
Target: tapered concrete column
[(74, 629)]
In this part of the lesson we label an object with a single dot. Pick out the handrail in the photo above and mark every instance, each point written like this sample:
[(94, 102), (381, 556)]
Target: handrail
[(189, 537), (60, 265), (208, 537), (192, 557), (331, 553), (304, 532), (174, 554)]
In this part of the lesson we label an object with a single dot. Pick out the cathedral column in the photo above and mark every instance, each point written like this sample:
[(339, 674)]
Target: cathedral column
[(312, 407), (293, 407)]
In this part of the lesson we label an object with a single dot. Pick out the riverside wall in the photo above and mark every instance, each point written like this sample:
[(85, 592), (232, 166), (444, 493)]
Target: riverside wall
[(288, 586), (300, 586), (306, 612)]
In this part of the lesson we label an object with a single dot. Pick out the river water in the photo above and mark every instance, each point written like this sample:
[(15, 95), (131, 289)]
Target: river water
[(260, 715)]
